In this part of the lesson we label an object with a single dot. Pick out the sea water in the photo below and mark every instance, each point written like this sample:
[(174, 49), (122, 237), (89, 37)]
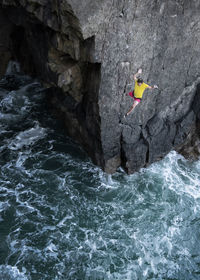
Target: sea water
[(62, 218)]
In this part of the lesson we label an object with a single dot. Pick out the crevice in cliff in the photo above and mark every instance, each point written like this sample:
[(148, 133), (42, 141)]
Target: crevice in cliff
[(146, 142), (122, 153), (188, 70)]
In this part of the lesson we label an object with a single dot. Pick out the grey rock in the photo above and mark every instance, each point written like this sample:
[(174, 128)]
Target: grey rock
[(134, 156), (131, 135), (91, 49), (160, 144), (184, 128), (155, 125)]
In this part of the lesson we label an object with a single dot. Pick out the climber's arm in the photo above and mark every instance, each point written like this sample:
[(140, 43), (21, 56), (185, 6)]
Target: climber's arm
[(153, 87)]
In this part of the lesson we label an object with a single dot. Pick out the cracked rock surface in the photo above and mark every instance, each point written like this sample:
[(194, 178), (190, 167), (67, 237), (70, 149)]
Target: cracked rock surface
[(89, 50)]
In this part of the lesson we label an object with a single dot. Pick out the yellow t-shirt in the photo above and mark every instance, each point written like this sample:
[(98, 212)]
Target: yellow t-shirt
[(139, 90)]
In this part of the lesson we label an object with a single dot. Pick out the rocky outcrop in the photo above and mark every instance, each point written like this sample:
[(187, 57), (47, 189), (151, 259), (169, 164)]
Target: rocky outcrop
[(88, 50)]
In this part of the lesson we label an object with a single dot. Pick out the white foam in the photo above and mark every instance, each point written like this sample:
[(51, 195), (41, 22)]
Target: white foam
[(27, 137), (62, 222), (12, 273)]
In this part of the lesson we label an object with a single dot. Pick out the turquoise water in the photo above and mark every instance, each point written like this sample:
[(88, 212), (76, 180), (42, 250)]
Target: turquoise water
[(62, 218)]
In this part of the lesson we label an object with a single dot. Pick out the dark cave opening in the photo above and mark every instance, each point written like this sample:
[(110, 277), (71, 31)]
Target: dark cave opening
[(20, 50), (64, 63)]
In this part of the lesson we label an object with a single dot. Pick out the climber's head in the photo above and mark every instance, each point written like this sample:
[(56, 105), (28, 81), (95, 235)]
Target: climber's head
[(139, 81)]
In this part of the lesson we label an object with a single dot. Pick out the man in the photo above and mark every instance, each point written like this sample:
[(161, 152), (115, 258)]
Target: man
[(139, 89)]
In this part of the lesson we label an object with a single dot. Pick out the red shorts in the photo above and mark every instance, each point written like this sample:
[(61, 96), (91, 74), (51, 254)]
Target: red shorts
[(131, 95)]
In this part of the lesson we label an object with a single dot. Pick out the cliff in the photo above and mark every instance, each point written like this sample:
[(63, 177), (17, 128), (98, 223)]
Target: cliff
[(86, 52)]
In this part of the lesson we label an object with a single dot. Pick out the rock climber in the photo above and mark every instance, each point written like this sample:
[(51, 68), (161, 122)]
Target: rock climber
[(139, 89)]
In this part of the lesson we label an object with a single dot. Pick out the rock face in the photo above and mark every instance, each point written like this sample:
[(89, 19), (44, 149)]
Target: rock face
[(87, 52)]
